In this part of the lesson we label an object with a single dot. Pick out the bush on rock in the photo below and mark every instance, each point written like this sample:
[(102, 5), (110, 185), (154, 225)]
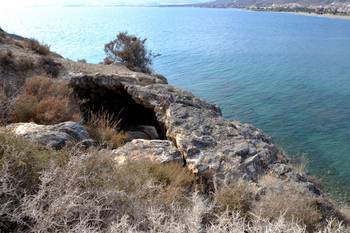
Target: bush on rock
[(130, 49)]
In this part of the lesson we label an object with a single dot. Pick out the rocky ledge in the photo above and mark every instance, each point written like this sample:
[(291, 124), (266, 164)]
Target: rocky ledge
[(179, 127), (207, 142)]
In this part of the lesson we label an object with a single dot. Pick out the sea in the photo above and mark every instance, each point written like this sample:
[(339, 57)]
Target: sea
[(286, 74)]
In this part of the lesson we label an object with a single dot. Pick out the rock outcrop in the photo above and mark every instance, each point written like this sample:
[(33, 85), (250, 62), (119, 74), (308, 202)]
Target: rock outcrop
[(52, 136), (161, 151), (208, 143)]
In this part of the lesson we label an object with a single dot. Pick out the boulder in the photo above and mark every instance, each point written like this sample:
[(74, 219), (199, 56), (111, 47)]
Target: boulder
[(52, 136), (161, 151), (146, 132)]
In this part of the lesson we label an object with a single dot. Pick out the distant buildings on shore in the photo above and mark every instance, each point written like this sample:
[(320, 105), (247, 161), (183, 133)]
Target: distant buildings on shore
[(333, 8)]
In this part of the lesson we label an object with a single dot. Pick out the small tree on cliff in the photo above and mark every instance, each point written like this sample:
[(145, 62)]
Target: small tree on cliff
[(130, 49)]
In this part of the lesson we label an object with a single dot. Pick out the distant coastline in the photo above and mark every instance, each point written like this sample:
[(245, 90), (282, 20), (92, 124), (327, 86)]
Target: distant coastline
[(320, 15), (305, 13)]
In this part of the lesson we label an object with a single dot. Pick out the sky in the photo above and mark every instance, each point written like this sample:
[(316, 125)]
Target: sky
[(28, 3)]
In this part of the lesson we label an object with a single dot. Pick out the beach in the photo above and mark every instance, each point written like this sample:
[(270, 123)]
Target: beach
[(321, 15)]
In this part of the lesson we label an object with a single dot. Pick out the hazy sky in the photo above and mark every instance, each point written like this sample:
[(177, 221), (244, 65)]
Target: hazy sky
[(26, 3)]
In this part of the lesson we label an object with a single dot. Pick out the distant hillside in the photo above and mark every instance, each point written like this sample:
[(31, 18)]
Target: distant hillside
[(261, 3)]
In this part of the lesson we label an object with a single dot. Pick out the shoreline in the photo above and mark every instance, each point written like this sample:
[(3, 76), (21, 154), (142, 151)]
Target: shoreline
[(318, 15), (310, 14)]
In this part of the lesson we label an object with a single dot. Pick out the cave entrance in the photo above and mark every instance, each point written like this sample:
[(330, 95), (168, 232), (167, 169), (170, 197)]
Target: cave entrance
[(135, 119)]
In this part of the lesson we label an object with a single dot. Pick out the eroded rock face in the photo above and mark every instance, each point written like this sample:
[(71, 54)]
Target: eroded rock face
[(208, 142), (161, 151), (52, 136)]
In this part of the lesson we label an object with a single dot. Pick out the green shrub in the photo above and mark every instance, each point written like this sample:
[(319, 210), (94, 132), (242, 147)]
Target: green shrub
[(130, 49)]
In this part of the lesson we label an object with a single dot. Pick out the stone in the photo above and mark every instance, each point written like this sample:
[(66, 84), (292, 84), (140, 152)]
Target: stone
[(161, 151), (208, 143), (281, 169), (52, 136), (146, 132)]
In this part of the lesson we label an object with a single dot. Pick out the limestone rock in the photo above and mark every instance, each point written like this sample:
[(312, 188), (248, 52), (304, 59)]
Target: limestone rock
[(146, 132), (161, 151), (53, 136), (208, 142)]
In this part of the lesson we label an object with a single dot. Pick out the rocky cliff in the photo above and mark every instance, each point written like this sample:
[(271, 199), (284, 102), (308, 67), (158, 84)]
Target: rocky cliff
[(236, 166), (207, 142)]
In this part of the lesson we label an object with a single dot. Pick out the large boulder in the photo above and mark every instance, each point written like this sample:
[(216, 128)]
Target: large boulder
[(208, 143), (52, 136)]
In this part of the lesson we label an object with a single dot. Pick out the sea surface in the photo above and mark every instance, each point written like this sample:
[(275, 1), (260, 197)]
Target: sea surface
[(287, 74)]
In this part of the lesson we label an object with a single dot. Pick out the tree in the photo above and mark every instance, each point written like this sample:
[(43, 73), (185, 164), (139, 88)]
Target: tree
[(130, 49)]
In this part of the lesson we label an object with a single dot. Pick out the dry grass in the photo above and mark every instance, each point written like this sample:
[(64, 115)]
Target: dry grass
[(299, 162), (235, 197), (49, 66), (24, 64), (83, 191), (7, 60), (101, 127), (34, 45), (295, 203), (45, 101)]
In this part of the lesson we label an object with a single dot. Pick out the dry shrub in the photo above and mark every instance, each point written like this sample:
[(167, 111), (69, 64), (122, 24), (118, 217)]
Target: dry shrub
[(45, 101), (19, 44), (101, 126), (235, 197), (130, 66), (7, 61), (24, 64), (293, 206), (174, 181), (299, 162), (83, 191), (107, 61), (23, 159), (295, 203), (49, 66), (82, 60), (39, 196), (34, 45), (316, 181), (21, 164), (1, 35), (130, 49)]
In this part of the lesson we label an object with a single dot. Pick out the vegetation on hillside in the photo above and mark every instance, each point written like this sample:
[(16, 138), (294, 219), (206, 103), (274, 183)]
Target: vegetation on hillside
[(82, 190)]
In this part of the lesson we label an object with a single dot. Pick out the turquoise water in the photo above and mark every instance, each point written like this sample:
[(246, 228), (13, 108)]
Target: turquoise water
[(287, 74)]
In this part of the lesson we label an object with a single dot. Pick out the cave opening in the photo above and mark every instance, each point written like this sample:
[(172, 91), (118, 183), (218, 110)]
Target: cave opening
[(133, 117)]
